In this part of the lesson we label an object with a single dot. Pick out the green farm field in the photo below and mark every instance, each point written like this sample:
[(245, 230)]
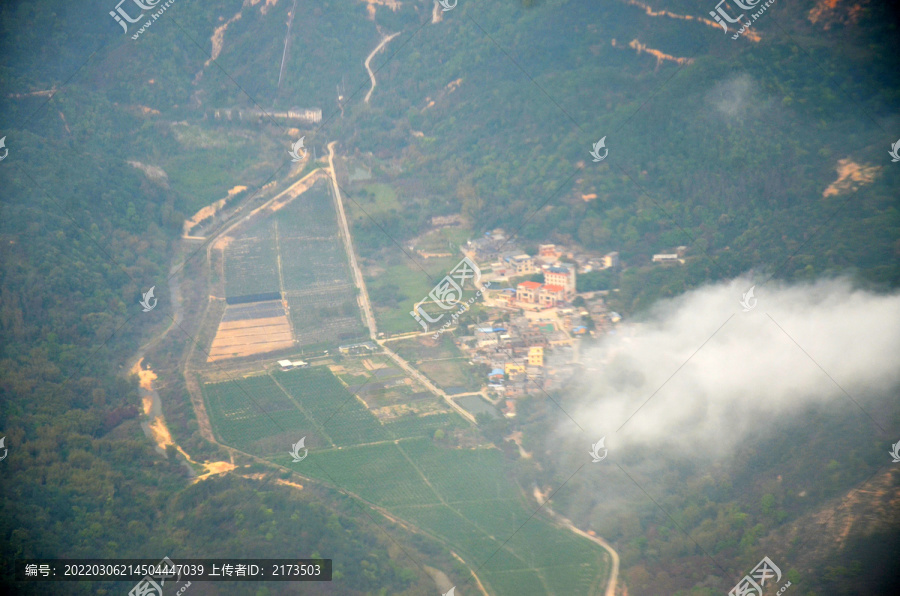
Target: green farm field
[(396, 288), (415, 349), (463, 497), (442, 362), (251, 265), (375, 198), (321, 297)]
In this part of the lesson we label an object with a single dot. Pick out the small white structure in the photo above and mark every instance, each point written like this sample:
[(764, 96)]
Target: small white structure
[(288, 365), (666, 258)]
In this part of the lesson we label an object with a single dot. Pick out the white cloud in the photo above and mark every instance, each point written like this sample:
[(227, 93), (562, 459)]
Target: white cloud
[(732, 97), (749, 374)]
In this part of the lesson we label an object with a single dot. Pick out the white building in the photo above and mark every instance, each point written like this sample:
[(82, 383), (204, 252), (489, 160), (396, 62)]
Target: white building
[(666, 258)]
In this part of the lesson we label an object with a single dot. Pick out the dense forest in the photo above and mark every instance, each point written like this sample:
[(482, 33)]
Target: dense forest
[(730, 155), (83, 232)]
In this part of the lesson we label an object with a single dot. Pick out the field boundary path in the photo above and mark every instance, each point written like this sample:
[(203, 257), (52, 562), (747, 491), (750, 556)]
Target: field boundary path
[(348, 246), (366, 304)]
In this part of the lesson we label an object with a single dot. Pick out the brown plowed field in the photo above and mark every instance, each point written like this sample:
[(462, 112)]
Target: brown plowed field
[(251, 336)]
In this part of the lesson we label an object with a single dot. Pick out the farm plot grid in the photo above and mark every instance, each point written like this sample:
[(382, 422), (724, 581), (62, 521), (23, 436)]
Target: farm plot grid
[(312, 402), (327, 317), (463, 496), (254, 310), (255, 415), (310, 264), (312, 215), (251, 265), (315, 272)]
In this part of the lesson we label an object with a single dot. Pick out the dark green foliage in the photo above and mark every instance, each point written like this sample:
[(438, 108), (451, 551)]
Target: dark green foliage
[(83, 234)]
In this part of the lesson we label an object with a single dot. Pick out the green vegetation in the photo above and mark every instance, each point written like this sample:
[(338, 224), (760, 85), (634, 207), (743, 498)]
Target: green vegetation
[(251, 266), (398, 286), (729, 156), (596, 280), (440, 360), (398, 466), (373, 200)]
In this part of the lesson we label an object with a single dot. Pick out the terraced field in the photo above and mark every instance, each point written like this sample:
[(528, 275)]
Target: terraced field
[(326, 317), (461, 496)]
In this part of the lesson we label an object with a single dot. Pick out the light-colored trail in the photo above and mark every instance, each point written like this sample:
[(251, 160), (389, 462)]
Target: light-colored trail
[(287, 41), (348, 246), (377, 49), (614, 571)]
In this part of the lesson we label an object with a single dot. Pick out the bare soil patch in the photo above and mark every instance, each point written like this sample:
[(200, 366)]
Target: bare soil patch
[(235, 339)]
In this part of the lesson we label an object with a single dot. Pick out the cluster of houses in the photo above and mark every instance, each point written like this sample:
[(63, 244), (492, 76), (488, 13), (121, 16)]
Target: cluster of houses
[(502, 261), (525, 352)]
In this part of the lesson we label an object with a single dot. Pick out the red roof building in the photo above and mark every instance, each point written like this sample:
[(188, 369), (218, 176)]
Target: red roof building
[(551, 295), (528, 291)]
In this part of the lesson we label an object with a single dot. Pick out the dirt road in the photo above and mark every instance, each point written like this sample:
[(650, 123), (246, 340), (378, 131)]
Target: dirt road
[(377, 49), (348, 246), (366, 305), (614, 571)]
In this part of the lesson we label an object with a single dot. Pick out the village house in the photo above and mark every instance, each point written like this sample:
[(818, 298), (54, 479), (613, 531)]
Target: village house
[(535, 356), (527, 292), (611, 260), (551, 295), (512, 368), (561, 275), (666, 258), (558, 339), (485, 336), (548, 253), (520, 264)]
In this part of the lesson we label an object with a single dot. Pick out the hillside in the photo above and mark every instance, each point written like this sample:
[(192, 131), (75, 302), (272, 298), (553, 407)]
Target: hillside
[(764, 156)]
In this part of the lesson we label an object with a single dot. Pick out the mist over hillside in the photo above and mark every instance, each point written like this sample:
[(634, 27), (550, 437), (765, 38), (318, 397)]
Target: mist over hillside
[(224, 225), (820, 343)]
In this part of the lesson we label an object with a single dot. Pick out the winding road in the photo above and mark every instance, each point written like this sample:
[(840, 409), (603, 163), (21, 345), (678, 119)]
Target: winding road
[(377, 49), (614, 571)]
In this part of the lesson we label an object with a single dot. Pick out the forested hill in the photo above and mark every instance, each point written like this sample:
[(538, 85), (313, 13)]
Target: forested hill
[(728, 147), (95, 188), (767, 155)]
